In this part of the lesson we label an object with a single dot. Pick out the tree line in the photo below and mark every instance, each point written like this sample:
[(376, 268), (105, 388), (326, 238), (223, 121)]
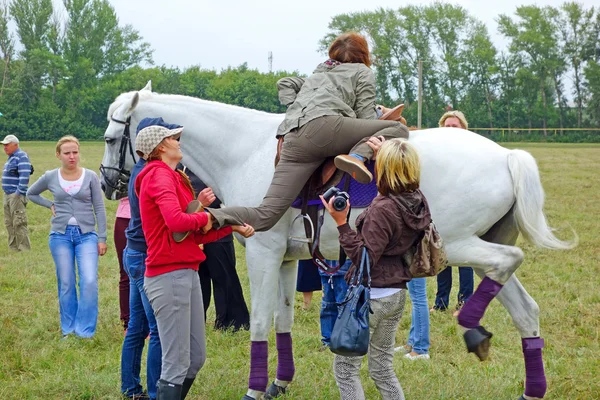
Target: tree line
[(72, 63), (553, 56)]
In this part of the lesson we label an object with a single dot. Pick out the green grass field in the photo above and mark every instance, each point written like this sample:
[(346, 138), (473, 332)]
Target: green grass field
[(34, 364)]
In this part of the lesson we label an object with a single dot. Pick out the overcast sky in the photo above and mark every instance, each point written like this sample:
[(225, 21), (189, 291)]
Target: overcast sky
[(215, 34)]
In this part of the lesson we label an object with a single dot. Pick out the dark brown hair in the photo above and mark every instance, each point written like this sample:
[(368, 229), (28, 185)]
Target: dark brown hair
[(155, 155), (350, 47)]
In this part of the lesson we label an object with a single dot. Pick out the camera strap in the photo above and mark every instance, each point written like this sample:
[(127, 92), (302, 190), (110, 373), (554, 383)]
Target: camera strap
[(314, 215)]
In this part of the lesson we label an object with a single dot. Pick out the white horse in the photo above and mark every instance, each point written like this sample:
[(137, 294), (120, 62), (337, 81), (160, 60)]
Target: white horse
[(481, 197)]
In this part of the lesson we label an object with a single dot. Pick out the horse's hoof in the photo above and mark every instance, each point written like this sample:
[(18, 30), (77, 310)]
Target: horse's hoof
[(478, 342), (274, 391)]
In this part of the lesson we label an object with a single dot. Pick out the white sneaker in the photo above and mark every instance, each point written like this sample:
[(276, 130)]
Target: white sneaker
[(417, 357), (403, 349)]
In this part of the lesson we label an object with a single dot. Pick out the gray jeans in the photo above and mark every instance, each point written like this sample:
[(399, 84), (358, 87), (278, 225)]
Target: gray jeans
[(383, 324), (176, 299), (303, 151)]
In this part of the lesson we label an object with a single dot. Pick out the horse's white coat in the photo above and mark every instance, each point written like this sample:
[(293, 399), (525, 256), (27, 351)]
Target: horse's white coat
[(470, 182)]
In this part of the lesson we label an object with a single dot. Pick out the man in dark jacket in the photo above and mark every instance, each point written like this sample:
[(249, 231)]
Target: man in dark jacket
[(218, 271)]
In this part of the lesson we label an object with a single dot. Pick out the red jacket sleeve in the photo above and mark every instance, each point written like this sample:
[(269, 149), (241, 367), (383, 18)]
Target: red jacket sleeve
[(162, 188), (212, 235)]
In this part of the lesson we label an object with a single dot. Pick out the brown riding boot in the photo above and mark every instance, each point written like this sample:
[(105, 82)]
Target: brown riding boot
[(355, 167)]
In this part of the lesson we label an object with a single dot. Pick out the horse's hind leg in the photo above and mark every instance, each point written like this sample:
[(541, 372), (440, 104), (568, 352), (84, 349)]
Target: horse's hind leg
[(524, 312), (284, 319), (497, 262)]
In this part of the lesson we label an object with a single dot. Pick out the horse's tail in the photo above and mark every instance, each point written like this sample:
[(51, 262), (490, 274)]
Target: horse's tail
[(529, 204)]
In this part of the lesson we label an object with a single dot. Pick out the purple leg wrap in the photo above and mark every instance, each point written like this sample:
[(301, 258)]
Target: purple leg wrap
[(259, 374), (285, 358), (535, 379), (474, 308)]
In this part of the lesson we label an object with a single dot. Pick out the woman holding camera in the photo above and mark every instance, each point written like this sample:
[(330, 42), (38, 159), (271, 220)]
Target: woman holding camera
[(388, 229), (328, 114)]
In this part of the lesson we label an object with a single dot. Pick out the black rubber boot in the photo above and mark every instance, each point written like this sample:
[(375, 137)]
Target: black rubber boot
[(185, 388), (478, 342), (167, 390)]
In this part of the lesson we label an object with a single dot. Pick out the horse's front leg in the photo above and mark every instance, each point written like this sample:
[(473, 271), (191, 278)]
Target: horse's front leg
[(284, 319), (263, 270)]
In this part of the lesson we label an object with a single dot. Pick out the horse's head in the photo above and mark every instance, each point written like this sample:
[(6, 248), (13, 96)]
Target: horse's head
[(119, 149)]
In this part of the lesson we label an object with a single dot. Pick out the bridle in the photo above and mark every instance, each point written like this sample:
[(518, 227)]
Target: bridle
[(119, 184)]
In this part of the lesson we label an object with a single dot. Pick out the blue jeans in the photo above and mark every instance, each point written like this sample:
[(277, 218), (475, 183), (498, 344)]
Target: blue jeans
[(76, 315), (444, 281), (141, 322), (418, 337), (334, 291)]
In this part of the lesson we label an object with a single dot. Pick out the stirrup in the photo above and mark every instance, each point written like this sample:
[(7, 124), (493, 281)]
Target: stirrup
[(303, 239)]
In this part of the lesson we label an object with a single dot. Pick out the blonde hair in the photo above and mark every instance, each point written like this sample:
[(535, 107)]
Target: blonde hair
[(66, 139), (398, 168), (454, 114)]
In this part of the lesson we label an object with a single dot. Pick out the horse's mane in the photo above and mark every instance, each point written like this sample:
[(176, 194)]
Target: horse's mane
[(147, 95)]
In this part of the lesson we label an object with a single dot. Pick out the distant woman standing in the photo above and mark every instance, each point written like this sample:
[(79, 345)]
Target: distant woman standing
[(77, 207)]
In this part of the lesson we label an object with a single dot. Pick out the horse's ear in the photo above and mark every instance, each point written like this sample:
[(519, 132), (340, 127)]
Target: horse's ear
[(148, 86), (133, 103)]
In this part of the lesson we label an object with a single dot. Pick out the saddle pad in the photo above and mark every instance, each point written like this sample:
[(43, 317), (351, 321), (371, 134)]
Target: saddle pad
[(360, 195)]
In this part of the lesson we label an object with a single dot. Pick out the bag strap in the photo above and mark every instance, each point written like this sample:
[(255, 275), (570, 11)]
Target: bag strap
[(367, 261), (365, 267)]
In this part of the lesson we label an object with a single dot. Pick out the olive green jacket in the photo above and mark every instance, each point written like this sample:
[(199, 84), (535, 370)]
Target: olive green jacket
[(346, 89)]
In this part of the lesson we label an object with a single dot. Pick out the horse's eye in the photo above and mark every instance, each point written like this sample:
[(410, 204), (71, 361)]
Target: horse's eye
[(110, 141)]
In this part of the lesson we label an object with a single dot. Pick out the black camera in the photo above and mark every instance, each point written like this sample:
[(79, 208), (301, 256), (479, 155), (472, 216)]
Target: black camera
[(340, 198)]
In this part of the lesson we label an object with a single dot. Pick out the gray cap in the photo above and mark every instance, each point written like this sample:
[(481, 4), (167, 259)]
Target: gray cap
[(10, 139), (150, 137)]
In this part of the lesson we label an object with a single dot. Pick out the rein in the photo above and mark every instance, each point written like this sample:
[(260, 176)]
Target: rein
[(119, 185)]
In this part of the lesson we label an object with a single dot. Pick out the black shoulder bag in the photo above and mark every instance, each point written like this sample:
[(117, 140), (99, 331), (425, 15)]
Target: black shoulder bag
[(350, 335)]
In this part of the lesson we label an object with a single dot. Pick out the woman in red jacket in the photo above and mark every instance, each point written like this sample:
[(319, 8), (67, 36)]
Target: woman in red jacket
[(171, 279)]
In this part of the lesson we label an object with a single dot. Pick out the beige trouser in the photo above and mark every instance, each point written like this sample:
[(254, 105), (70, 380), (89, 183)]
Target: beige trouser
[(15, 219), (303, 151), (383, 324)]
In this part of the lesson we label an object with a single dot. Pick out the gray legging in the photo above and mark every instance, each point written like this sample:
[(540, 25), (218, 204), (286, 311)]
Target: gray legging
[(176, 299), (303, 151), (383, 324)]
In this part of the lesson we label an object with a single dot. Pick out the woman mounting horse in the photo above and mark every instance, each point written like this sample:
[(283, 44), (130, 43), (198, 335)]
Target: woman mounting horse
[(331, 113)]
